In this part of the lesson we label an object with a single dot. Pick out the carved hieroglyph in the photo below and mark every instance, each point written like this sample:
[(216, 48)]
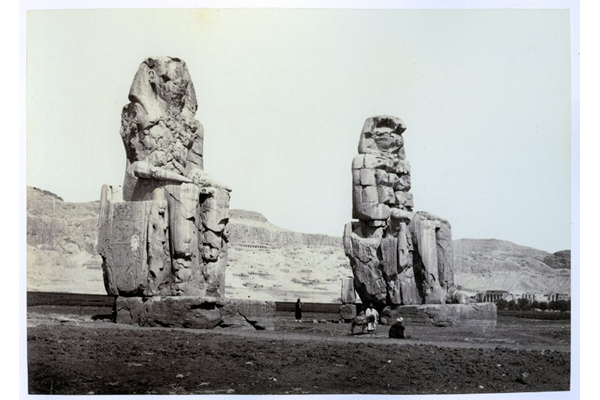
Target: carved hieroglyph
[(169, 236), (398, 257)]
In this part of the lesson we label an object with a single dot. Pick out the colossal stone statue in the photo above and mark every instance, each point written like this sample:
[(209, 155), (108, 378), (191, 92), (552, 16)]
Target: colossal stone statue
[(398, 257), (176, 212)]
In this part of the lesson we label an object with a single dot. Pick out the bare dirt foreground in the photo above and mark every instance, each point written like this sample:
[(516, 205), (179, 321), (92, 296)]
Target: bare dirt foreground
[(71, 353)]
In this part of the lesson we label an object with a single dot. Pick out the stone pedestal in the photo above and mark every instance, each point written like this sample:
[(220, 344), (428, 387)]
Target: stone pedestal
[(195, 312), (477, 314), (348, 312), (148, 250)]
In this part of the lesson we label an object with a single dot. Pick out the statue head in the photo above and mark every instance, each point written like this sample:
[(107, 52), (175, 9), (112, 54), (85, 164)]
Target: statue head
[(162, 82), (382, 134)]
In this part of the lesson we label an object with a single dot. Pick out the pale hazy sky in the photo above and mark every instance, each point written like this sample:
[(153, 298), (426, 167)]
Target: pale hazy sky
[(283, 95)]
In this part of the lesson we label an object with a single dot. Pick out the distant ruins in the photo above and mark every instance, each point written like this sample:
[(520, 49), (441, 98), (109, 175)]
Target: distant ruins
[(398, 257), (163, 241)]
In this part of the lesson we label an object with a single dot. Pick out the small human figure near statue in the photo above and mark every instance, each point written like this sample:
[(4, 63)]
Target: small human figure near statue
[(397, 329), (365, 319), (298, 311), (359, 320), (372, 318), (369, 317)]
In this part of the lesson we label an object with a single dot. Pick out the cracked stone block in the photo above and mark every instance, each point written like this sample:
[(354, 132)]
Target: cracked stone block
[(347, 312), (386, 195), (259, 314), (381, 177), (195, 312), (370, 195), (358, 162), (367, 177), (474, 314), (404, 199)]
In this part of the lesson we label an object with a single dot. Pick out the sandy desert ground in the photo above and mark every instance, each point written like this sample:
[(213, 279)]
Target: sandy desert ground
[(71, 351)]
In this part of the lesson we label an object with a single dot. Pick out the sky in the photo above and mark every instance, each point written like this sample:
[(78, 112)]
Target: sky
[(283, 95)]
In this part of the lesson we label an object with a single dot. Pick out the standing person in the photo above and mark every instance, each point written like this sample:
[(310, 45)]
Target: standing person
[(298, 311), (372, 317)]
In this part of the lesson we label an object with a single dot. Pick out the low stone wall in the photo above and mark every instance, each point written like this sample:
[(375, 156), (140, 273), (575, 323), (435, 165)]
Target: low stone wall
[(195, 312), (443, 314)]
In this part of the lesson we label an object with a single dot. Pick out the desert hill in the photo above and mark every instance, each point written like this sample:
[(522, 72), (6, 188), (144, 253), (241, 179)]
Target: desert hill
[(267, 261), (502, 265), (559, 260)]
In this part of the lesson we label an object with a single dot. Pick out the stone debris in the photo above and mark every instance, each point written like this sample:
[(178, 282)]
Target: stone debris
[(523, 378)]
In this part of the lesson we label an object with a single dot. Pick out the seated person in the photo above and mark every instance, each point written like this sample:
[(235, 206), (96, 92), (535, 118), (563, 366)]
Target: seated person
[(397, 329)]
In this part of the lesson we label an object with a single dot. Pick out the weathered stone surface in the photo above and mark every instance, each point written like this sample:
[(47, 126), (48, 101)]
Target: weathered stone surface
[(404, 183), (370, 282), (171, 311), (480, 314), (357, 194), (259, 315), (424, 235), (347, 312), (389, 315), (404, 199), (358, 162), (371, 210), (381, 177), (445, 254), (159, 257), (215, 210), (212, 239), (174, 215), (408, 287), (370, 194), (356, 175), (123, 248), (397, 257), (348, 292), (389, 256), (433, 258), (195, 312), (405, 248), (386, 195), (367, 177)]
